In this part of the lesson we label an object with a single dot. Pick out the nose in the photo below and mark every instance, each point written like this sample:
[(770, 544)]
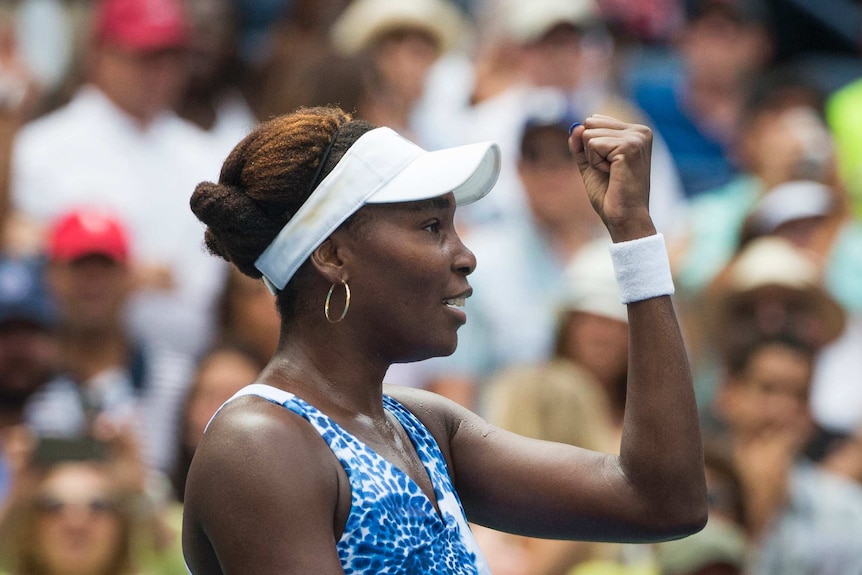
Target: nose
[(465, 261)]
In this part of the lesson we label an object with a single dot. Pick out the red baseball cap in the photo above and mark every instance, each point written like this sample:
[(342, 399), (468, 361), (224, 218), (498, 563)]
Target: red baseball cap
[(141, 24), (87, 232)]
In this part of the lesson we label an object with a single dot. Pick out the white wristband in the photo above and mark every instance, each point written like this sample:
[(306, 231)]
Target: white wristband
[(642, 268)]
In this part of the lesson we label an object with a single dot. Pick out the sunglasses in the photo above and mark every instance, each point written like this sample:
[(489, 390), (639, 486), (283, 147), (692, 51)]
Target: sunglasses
[(49, 505)]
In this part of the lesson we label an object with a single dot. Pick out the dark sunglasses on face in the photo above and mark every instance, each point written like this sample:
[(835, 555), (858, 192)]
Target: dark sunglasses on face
[(54, 506)]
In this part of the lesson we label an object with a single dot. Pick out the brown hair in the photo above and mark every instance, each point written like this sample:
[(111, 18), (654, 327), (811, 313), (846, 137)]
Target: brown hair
[(265, 180)]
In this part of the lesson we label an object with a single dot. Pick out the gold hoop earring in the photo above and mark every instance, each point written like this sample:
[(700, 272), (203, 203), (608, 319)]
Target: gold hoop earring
[(329, 298)]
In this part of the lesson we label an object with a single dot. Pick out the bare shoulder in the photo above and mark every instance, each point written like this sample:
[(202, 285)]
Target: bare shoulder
[(259, 469), (252, 439)]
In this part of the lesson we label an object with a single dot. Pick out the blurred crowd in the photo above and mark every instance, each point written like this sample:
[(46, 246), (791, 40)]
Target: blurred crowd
[(120, 336)]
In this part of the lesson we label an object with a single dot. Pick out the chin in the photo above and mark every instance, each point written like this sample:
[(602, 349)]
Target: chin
[(447, 349), (428, 352)]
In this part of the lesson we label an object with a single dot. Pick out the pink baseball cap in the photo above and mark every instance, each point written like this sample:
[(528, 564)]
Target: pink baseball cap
[(141, 24), (83, 233)]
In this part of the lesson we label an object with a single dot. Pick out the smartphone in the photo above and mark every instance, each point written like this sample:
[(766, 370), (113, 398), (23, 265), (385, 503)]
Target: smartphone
[(50, 450)]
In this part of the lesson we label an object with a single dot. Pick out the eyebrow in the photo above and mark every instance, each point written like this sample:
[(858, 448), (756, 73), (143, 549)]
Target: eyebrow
[(440, 203)]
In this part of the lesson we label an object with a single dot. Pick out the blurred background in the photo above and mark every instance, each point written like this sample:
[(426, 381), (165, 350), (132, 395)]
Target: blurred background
[(120, 336)]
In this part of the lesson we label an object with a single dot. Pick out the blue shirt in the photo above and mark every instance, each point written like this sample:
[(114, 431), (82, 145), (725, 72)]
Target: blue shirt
[(702, 160)]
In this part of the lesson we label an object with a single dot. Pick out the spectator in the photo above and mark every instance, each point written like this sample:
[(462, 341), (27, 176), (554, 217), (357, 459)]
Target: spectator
[(772, 287), (781, 137), (723, 46), (118, 145), (28, 358), (106, 372), (802, 520), (401, 40), (72, 518), (814, 217), (216, 96), (295, 54), (78, 511), (557, 46)]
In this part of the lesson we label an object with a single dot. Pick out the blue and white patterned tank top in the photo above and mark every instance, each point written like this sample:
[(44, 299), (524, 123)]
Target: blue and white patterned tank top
[(392, 527)]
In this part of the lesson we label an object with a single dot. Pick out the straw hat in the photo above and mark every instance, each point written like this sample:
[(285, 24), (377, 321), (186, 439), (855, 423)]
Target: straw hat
[(771, 269), (365, 21)]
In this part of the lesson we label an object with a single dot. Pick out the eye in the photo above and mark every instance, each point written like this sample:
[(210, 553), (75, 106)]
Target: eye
[(433, 227)]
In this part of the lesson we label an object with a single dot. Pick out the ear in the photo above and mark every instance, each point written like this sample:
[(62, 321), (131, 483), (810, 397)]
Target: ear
[(327, 262)]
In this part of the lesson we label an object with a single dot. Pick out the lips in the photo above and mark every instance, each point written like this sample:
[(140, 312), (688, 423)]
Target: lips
[(459, 299)]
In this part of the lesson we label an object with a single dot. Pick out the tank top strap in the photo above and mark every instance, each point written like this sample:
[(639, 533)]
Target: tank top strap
[(342, 443), (268, 392), (425, 443)]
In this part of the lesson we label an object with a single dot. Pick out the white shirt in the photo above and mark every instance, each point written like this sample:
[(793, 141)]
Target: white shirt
[(153, 410), (90, 153)]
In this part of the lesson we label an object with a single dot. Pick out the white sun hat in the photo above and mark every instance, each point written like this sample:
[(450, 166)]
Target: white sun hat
[(364, 21), (528, 21), (380, 167), (792, 201)]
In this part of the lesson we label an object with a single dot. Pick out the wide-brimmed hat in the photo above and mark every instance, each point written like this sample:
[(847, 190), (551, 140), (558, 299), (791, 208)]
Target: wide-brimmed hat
[(527, 22), (365, 21), (771, 269), (380, 167)]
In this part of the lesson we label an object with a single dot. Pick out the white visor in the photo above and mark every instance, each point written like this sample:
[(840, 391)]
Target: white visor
[(380, 167), (791, 201)]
